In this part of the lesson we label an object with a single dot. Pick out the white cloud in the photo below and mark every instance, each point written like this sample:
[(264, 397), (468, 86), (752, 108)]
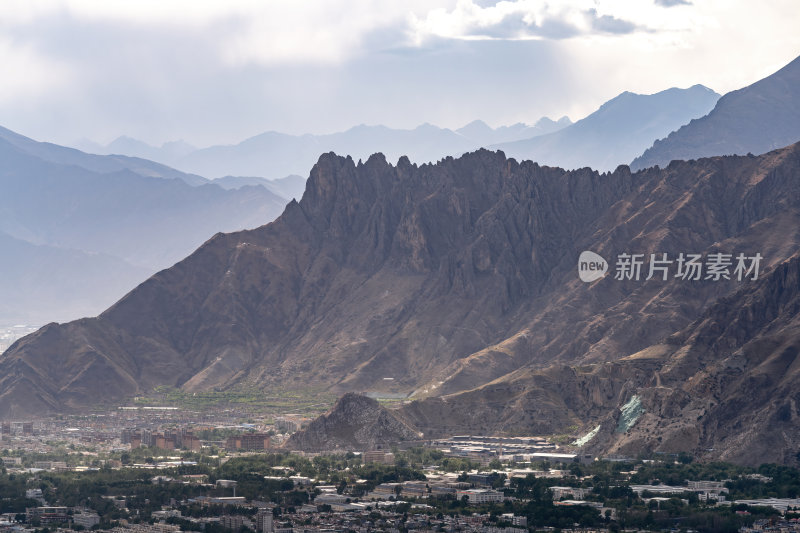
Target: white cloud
[(290, 32), (723, 45), (223, 70), (673, 3), (521, 20), (245, 31)]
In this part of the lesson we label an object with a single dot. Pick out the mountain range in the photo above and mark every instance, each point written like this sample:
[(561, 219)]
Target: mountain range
[(618, 131), (70, 157), (275, 155), (103, 223), (46, 282), (290, 187), (455, 280), (756, 119), (646, 129), (456, 284)]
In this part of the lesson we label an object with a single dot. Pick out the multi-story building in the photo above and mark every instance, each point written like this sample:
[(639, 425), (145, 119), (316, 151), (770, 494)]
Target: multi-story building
[(564, 492), (34, 494), (301, 481), (442, 491), (46, 515), (190, 442), (248, 441), (709, 490), (379, 456), (125, 436), (255, 441), (147, 438), (168, 440), (481, 495), (659, 489), (414, 489), (718, 486), (515, 520), (264, 521), (50, 465), (386, 490), (161, 442), (234, 522), (233, 443), (483, 479), (86, 519)]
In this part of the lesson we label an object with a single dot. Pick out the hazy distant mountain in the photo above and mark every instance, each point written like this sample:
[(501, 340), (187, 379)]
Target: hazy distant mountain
[(274, 155), (145, 221), (62, 155), (618, 131), (237, 182), (482, 135), (103, 206), (41, 284), (168, 153), (758, 118), (457, 281), (288, 187)]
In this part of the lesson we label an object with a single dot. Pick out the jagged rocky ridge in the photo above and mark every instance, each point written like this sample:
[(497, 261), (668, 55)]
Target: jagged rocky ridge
[(456, 280), (356, 422)]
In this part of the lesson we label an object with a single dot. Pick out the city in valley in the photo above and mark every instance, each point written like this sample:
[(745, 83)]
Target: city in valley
[(166, 469)]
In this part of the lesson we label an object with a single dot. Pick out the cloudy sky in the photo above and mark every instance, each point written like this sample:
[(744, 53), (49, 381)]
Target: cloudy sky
[(219, 72)]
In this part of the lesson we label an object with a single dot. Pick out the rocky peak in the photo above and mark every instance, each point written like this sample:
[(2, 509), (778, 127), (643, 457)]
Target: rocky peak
[(356, 422)]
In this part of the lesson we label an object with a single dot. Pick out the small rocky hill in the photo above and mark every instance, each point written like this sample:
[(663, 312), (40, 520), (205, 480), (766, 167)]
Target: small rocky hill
[(356, 422)]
